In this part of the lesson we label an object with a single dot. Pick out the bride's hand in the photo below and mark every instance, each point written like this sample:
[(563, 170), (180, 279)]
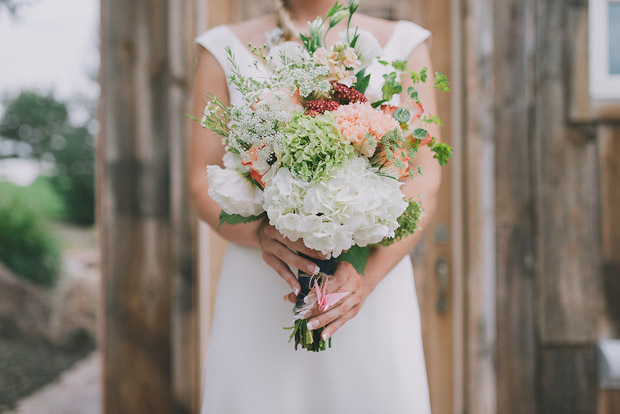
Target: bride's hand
[(345, 279), (277, 253)]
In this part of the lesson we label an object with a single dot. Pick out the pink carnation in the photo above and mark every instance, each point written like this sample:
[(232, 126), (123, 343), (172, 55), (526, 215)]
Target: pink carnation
[(363, 126)]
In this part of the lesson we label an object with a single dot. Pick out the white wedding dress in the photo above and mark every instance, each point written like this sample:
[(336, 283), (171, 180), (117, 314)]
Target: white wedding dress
[(376, 363)]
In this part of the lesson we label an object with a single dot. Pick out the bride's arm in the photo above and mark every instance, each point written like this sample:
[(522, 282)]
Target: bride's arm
[(206, 149), (383, 259)]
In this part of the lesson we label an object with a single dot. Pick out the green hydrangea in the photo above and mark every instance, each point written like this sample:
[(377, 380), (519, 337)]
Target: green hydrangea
[(408, 223), (314, 146)]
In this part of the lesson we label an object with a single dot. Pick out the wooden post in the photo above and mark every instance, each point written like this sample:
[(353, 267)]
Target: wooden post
[(609, 155), (567, 213), (183, 19), (149, 318), (514, 218), (479, 201)]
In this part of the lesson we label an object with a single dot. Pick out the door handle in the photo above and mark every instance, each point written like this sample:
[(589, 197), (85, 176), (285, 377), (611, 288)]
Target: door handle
[(442, 270)]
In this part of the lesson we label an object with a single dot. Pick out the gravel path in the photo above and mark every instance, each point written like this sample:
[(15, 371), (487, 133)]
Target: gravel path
[(76, 391)]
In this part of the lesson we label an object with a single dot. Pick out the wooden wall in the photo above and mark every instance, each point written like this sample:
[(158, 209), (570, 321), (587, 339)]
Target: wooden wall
[(549, 156), (529, 225)]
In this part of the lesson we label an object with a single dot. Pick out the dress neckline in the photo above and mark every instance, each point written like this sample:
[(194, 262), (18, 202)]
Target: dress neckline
[(248, 53)]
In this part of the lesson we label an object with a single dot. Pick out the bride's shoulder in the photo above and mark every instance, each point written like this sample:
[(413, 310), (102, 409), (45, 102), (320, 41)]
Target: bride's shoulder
[(384, 29), (379, 28), (253, 30), (247, 31)]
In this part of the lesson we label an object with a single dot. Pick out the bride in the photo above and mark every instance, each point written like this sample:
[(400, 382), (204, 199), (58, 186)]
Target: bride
[(376, 364)]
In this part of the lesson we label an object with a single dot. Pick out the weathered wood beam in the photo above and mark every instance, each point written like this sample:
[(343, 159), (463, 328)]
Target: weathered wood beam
[(479, 201), (514, 205), (183, 27), (149, 320), (567, 217), (134, 207), (568, 383), (567, 194)]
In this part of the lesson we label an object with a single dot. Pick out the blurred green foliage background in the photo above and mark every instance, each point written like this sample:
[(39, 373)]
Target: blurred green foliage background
[(38, 127)]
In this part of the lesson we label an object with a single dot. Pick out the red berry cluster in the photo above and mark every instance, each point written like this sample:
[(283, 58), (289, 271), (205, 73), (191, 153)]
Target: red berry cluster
[(319, 106), (346, 95)]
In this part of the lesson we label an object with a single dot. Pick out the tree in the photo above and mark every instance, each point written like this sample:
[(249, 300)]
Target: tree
[(74, 178), (36, 121), (39, 127)]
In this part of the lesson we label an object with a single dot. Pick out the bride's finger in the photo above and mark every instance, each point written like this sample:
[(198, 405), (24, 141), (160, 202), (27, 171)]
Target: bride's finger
[(291, 258), (299, 246), (348, 286), (330, 329), (290, 297), (282, 269), (334, 313), (341, 277)]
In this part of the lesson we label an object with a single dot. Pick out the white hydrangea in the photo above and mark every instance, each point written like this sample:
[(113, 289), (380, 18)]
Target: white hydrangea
[(355, 206), (234, 191)]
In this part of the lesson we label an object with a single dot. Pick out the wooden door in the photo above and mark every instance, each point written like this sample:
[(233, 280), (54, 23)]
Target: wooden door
[(434, 265)]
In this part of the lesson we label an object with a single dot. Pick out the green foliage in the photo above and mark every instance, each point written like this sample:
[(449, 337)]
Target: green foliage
[(353, 6), (42, 123), (442, 151), (400, 65), (408, 223), (413, 94), (215, 116), (244, 84), (419, 76), (432, 119), (74, 178), (26, 246), (441, 82), (420, 133), (314, 146), (402, 115), (357, 256), (39, 196), (39, 121), (391, 86), (233, 219), (356, 36), (362, 81), (337, 18)]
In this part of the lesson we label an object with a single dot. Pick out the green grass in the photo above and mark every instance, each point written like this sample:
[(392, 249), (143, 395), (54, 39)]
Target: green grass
[(27, 246), (39, 196)]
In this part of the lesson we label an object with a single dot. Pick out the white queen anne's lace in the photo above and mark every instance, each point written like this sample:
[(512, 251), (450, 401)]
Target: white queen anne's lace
[(354, 207)]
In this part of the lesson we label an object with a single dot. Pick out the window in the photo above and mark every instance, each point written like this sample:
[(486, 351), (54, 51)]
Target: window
[(604, 49)]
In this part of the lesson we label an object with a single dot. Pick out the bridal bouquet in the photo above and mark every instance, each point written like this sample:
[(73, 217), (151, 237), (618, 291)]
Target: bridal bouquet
[(321, 154)]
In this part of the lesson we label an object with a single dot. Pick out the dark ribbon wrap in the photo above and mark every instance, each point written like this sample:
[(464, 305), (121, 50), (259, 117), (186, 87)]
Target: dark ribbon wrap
[(306, 280)]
